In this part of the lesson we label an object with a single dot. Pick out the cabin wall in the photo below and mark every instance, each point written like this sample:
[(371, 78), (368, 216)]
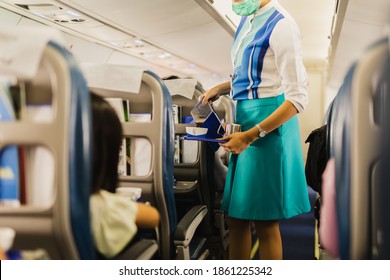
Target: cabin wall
[(313, 116)]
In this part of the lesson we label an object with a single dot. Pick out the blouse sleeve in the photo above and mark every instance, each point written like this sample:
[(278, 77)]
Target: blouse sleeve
[(286, 43)]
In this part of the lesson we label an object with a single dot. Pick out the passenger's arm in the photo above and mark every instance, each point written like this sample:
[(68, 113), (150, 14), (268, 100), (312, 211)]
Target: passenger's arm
[(147, 216)]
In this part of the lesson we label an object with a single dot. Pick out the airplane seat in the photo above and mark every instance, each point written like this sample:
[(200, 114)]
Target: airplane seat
[(60, 227), (354, 131), (339, 129), (80, 122), (80, 164), (381, 227), (382, 205), (176, 234), (195, 176)]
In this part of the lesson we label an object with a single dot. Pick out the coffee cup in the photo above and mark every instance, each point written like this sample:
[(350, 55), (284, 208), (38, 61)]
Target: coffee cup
[(130, 192), (196, 131), (7, 236), (231, 128)]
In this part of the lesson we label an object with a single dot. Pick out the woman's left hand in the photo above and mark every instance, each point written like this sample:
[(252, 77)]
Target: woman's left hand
[(236, 142)]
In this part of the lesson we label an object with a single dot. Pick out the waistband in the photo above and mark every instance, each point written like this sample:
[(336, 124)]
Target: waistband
[(249, 103)]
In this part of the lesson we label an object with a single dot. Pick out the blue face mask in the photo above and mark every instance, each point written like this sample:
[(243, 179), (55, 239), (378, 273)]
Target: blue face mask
[(246, 7)]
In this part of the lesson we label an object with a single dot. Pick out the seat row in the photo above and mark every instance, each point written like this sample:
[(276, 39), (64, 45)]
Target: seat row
[(62, 226), (354, 221)]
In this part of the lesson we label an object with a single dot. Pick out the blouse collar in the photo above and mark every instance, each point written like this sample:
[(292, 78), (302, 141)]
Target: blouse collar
[(266, 8)]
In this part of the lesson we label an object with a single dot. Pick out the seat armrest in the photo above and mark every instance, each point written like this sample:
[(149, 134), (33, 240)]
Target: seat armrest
[(187, 226), (142, 250)]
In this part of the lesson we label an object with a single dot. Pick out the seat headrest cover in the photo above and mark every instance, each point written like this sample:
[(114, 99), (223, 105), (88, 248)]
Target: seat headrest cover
[(182, 87), (122, 78), (21, 49)]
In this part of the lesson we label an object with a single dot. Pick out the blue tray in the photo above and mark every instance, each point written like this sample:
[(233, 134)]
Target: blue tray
[(202, 139)]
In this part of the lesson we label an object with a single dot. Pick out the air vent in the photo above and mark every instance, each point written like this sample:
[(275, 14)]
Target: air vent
[(41, 7), (54, 13)]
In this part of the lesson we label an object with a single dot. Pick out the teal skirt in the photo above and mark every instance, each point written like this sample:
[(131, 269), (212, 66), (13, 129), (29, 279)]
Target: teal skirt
[(267, 180)]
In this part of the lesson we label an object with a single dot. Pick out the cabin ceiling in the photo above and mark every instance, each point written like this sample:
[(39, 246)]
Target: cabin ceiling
[(184, 27), (197, 32), (181, 27), (190, 29), (314, 18)]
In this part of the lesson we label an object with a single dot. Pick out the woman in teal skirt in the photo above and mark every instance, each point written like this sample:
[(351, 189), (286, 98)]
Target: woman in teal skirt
[(266, 180)]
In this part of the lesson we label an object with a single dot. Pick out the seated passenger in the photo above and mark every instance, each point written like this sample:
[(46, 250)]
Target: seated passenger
[(114, 218)]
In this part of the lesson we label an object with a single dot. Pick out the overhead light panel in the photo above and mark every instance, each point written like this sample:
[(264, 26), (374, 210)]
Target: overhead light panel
[(70, 19), (54, 13), (165, 55)]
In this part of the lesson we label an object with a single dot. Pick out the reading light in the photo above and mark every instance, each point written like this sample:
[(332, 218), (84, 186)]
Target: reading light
[(165, 55), (139, 43), (114, 44), (73, 13)]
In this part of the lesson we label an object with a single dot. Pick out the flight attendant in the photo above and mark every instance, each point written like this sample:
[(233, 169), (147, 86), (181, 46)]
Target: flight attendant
[(266, 180)]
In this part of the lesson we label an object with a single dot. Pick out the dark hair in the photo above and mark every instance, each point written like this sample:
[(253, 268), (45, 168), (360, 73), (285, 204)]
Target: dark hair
[(107, 140), (171, 77), (174, 77)]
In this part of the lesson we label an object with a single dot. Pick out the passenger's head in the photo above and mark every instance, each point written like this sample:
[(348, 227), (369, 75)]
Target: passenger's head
[(107, 139), (171, 77), (174, 77)]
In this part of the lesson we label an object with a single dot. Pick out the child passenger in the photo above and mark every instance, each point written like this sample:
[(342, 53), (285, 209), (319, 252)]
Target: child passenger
[(114, 218)]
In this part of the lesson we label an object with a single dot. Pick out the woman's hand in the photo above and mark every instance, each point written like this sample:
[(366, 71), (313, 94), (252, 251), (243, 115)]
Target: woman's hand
[(237, 142), (215, 92), (210, 95)]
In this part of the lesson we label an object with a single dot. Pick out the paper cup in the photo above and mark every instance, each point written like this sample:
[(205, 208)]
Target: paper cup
[(231, 128), (132, 193), (7, 236), (196, 131)]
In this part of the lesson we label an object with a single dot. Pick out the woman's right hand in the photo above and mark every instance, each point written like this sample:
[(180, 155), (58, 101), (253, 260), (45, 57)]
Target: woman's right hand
[(215, 92), (210, 95)]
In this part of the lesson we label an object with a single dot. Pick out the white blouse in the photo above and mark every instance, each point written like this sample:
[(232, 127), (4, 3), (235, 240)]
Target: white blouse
[(267, 57), (113, 222)]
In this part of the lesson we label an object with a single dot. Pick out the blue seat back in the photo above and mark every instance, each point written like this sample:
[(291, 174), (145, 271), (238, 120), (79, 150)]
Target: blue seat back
[(80, 158), (157, 186), (62, 226), (340, 121), (168, 151), (354, 130), (381, 204)]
